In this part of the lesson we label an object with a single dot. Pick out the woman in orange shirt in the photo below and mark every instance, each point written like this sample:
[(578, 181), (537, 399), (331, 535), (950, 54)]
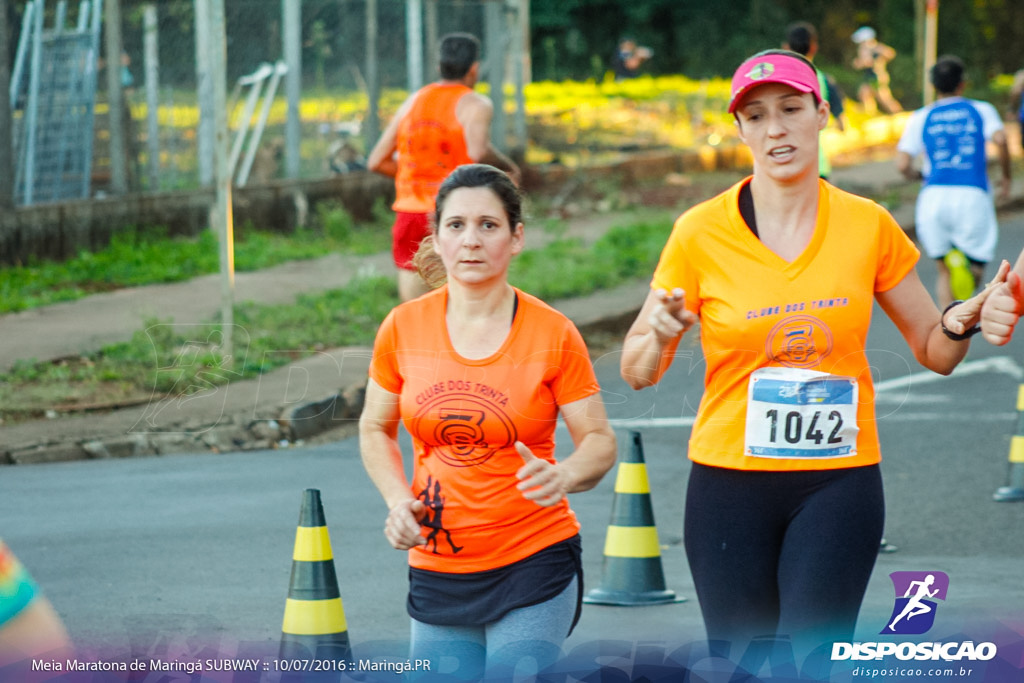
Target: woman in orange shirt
[(784, 508), (478, 372)]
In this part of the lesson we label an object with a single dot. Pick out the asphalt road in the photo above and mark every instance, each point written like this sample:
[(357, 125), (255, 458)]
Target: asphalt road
[(184, 556)]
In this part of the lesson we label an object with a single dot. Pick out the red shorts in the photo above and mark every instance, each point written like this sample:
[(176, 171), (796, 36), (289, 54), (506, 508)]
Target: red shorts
[(406, 234)]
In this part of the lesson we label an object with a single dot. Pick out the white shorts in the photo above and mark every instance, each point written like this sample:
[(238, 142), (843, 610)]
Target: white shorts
[(949, 216)]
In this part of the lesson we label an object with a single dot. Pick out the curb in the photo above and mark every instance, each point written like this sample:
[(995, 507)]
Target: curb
[(233, 433), (238, 432), (281, 408)]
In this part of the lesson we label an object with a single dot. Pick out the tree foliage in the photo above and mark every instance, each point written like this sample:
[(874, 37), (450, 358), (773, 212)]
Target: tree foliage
[(577, 38)]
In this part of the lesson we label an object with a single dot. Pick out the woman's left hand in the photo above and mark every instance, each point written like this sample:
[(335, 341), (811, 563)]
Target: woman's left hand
[(961, 318), (542, 482)]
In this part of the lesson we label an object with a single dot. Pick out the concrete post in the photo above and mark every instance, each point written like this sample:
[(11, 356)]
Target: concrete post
[(222, 219), (371, 129), (115, 98), (292, 21), (414, 43), (6, 125), (204, 93), (495, 34), (151, 38)]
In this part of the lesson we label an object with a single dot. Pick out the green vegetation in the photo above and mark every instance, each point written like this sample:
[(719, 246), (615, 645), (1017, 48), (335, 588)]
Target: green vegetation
[(168, 359), (622, 254), (137, 258)]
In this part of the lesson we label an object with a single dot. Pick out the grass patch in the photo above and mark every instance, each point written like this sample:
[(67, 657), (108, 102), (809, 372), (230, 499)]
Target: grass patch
[(621, 254), (135, 258), (165, 358)]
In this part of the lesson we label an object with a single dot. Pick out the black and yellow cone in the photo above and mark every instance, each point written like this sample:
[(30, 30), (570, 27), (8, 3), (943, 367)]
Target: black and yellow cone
[(1014, 489), (314, 618), (632, 573)]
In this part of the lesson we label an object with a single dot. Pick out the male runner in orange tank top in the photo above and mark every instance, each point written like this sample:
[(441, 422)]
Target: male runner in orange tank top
[(439, 127)]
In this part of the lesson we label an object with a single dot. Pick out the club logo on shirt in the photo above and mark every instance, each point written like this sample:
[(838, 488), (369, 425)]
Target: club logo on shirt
[(470, 428), (799, 341)]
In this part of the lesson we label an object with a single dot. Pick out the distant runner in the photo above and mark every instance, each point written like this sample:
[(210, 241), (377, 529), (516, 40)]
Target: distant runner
[(441, 126), (955, 217)]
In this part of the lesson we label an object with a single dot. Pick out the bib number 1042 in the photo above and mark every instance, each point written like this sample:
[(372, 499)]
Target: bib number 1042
[(801, 414), (790, 427)]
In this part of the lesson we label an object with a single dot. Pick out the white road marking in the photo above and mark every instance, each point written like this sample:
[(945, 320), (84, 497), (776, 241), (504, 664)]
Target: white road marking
[(1003, 365)]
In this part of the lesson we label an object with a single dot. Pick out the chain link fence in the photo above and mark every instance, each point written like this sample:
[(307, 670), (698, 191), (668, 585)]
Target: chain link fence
[(355, 54)]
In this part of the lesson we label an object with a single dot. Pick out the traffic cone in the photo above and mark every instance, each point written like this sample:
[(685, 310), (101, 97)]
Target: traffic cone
[(1014, 489), (632, 573), (314, 619)]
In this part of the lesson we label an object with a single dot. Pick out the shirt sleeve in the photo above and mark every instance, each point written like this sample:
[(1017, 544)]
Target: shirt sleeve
[(576, 379), (991, 121), (897, 254), (384, 364), (674, 269), (911, 141)]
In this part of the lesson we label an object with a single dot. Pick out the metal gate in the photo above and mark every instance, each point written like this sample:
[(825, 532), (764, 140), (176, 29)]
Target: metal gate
[(53, 93)]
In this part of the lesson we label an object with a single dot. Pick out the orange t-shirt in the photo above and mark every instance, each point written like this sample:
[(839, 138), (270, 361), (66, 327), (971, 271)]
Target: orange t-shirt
[(465, 417), (807, 316), (431, 143)]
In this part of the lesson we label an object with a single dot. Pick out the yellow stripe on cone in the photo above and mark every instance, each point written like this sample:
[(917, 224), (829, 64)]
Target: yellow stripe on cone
[(313, 617), (1014, 489), (1017, 449), (627, 541), (632, 478), (312, 544)]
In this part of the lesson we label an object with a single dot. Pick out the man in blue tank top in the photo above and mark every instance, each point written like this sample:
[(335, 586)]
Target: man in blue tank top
[(955, 215)]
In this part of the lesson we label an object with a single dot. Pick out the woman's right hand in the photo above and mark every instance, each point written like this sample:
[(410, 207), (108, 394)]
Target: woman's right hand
[(1001, 311), (402, 527), (669, 318)]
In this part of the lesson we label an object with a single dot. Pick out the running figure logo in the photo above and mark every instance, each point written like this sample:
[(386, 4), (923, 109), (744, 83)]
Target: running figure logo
[(435, 506), (914, 612)]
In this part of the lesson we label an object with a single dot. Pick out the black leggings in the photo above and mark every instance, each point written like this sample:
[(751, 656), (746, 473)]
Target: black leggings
[(782, 553)]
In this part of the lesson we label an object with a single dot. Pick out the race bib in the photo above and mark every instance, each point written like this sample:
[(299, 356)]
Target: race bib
[(794, 413)]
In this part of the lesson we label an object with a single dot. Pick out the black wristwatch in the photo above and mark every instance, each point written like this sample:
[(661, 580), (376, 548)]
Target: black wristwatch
[(953, 335)]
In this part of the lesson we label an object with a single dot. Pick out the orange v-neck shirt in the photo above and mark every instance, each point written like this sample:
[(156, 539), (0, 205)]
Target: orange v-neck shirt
[(757, 310)]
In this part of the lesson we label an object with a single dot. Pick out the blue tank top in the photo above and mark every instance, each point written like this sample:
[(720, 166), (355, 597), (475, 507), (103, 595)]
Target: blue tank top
[(954, 137)]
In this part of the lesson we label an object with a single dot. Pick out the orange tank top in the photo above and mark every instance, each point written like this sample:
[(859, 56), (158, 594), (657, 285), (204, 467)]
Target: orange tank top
[(431, 143)]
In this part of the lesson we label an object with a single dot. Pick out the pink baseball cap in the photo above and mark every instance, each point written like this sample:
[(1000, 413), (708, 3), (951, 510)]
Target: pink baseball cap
[(773, 67)]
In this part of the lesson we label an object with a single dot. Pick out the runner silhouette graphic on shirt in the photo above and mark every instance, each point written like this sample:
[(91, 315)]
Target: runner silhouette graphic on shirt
[(435, 502), (914, 606)]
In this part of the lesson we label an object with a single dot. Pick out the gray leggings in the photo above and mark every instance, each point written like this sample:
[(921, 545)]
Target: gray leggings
[(529, 637)]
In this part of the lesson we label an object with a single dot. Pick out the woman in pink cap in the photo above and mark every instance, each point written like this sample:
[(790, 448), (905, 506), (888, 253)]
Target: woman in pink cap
[(784, 507)]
